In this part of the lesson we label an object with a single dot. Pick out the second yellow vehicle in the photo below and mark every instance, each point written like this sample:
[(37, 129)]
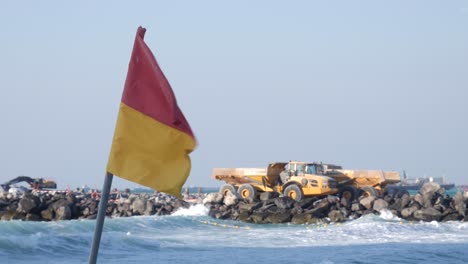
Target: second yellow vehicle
[(298, 180)]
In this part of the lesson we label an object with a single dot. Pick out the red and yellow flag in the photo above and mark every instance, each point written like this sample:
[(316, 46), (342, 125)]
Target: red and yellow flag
[(152, 138)]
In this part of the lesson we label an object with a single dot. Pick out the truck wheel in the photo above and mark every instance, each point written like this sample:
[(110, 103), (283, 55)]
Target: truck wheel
[(227, 188), (247, 191), (348, 192), (368, 191), (294, 192)]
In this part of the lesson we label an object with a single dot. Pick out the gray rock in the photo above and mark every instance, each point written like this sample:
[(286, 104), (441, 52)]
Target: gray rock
[(132, 197), (336, 216), (213, 198), (27, 203), (307, 203), (277, 218), (427, 199), (321, 208), (149, 208), (243, 216), (459, 204), (301, 218), (285, 202), (452, 217), (418, 198), (429, 187), (250, 207), (6, 215), (380, 204), (138, 206), (257, 218), (333, 199), (231, 198), (367, 202), (427, 214), (48, 214), (355, 206), (407, 213), (268, 195), (63, 213), (405, 200)]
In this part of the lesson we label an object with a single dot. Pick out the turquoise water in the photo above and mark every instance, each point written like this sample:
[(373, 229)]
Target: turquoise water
[(190, 236)]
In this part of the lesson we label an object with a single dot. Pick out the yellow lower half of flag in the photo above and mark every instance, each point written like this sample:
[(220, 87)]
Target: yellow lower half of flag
[(149, 152)]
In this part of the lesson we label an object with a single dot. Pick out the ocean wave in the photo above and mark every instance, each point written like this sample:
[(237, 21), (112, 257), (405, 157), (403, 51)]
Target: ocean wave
[(192, 230)]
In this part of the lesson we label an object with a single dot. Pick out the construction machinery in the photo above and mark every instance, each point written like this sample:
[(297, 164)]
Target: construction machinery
[(355, 183), (298, 179), (288, 178), (34, 183)]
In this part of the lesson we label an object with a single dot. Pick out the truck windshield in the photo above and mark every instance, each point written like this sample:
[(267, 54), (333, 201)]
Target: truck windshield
[(310, 169)]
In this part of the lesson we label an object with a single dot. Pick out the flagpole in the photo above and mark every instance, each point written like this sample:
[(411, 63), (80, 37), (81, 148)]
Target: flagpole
[(100, 217)]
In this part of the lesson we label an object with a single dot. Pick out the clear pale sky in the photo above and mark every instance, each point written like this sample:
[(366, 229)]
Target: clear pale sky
[(363, 84)]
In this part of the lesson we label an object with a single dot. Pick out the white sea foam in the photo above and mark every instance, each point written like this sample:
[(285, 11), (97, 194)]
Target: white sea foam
[(194, 210), (388, 215)]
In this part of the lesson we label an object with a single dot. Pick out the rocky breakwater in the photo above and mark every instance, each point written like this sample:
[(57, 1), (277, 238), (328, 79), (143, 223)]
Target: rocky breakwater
[(52, 206), (429, 204)]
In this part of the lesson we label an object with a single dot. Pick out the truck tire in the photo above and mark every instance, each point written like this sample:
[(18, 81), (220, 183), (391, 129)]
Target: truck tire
[(294, 192), (247, 191), (348, 192), (368, 191), (227, 188)]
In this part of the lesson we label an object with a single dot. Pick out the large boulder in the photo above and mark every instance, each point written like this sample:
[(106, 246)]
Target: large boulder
[(336, 216), (213, 198), (48, 214), (285, 202), (249, 207), (138, 206), (419, 199), (356, 206), (277, 218), (428, 199), (27, 203), (407, 213), (429, 187), (231, 198), (301, 218), (321, 208), (458, 204), (380, 204), (427, 214), (405, 200), (149, 208), (63, 213), (367, 202), (258, 218)]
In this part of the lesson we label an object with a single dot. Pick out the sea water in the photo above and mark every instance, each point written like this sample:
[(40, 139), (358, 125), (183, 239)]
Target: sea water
[(190, 236)]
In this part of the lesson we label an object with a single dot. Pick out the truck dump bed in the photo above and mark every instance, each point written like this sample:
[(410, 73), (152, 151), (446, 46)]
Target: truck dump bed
[(366, 177), (238, 176)]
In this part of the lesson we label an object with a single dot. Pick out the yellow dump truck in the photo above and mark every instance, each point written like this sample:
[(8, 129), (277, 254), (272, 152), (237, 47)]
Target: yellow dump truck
[(354, 183), (282, 177)]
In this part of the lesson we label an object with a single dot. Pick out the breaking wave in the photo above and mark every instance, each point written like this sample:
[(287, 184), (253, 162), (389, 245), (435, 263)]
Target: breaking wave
[(190, 233)]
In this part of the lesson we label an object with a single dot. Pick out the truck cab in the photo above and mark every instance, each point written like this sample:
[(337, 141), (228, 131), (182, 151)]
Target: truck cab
[(309, 177)]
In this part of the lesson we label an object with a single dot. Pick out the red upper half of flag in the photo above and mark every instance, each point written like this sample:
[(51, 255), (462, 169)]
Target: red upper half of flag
[(147, 89)]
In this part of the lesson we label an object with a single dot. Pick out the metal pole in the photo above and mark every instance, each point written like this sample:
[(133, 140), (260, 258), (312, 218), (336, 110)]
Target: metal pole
[(100, 217)]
